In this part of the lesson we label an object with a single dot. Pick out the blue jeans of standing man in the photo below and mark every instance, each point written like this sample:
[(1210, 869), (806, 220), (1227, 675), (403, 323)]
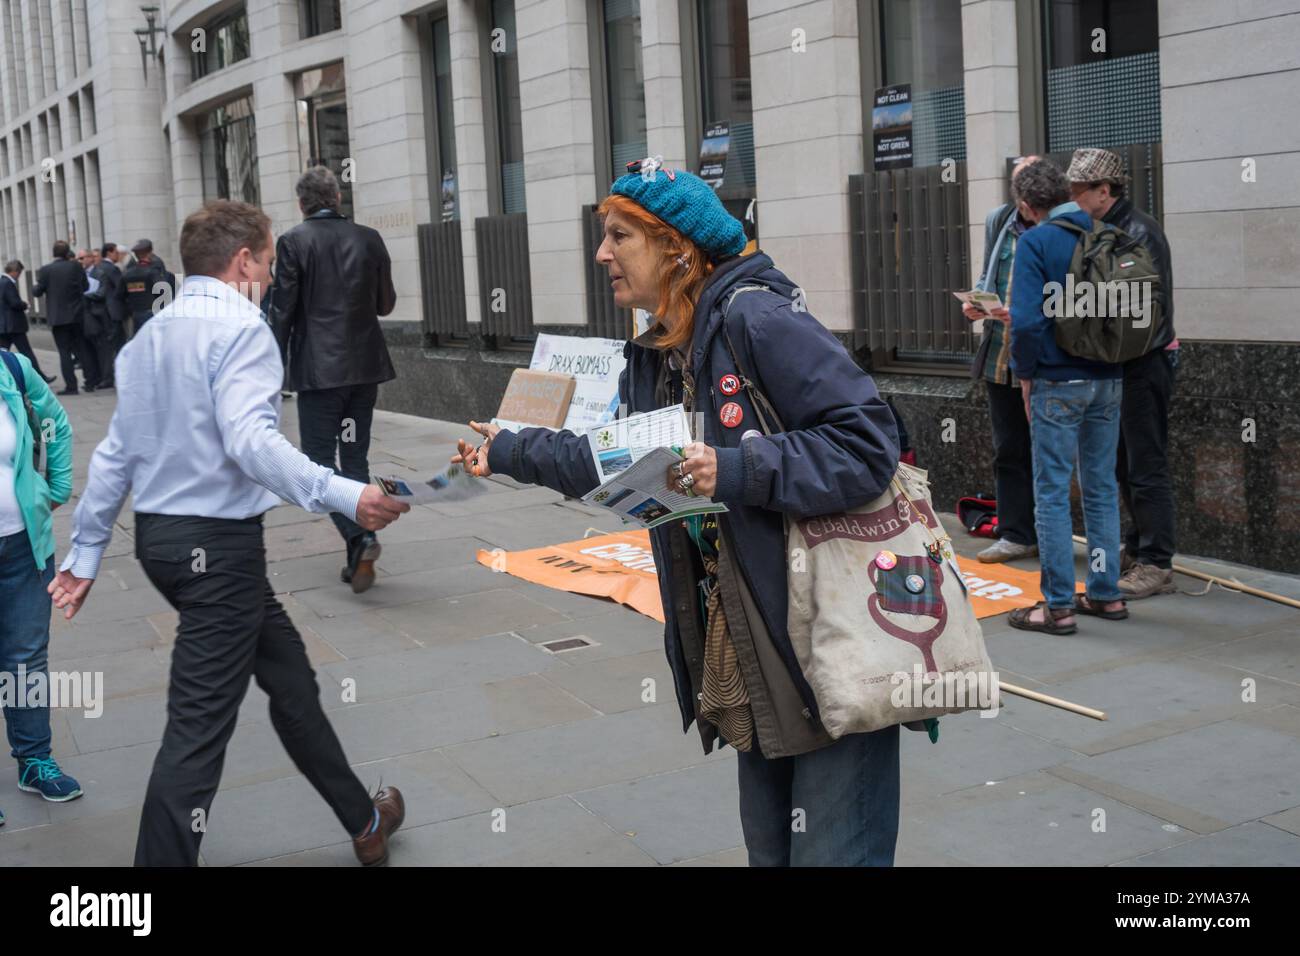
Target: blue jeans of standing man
[(1076, 421), (25, 640), (837, 806)]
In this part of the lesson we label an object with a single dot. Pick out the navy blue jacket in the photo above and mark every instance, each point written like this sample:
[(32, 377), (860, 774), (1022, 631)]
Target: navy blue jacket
[(839, 450), (1043, 256)]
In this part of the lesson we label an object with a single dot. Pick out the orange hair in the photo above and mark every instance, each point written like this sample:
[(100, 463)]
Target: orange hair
[(679, 286)]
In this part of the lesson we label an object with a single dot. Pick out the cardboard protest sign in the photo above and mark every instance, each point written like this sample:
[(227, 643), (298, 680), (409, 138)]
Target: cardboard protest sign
[(537, 398)]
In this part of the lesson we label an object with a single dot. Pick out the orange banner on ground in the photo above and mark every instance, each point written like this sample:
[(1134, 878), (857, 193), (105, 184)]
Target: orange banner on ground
[(621, 567), (618, 566), (998, 588)]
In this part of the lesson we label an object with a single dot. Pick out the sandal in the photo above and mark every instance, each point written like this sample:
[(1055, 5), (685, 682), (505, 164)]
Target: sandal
[(1020, 619), (1084, 605)]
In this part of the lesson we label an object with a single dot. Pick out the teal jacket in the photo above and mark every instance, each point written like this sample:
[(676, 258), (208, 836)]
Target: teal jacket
[(33, 492)]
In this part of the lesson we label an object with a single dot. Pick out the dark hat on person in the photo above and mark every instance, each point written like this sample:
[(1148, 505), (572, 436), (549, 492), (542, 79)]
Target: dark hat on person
[(143, 245), (1096, 166), (684, 201)]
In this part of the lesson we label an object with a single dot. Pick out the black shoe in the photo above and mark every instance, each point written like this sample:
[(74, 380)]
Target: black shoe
[(69, 391), (49, 379), (361, 563), (90, 388)]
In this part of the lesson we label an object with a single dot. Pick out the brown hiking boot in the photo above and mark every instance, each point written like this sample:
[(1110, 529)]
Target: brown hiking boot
[(1145, 580), (372, 846)]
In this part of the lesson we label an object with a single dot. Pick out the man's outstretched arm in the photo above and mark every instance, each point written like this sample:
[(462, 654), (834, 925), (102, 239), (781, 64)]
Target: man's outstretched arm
[(92, 525)]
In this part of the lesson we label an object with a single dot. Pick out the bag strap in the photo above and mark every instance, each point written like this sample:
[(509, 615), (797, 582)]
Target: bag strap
[(763, 407), (33, 420), (16, 370)]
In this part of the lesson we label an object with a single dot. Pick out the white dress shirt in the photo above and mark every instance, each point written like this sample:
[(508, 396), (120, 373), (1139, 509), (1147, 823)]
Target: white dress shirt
[(196, 428)]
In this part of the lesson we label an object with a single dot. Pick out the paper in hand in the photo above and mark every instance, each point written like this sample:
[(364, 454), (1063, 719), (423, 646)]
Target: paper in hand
[(453, 484)]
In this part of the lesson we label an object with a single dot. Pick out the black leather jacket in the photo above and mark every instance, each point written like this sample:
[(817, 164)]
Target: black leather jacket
[(1132, 220), (333, 279)]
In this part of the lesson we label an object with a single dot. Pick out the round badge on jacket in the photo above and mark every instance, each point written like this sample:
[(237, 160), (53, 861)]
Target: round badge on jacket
[(731, 414), (729, 384)]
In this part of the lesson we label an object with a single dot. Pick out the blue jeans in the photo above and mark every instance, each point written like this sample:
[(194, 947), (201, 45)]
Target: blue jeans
[(25, 640), (1076, 421), (848, 795)]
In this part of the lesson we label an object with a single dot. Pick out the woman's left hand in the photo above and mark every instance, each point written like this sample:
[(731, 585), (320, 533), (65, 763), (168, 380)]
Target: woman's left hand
[(701, 463)]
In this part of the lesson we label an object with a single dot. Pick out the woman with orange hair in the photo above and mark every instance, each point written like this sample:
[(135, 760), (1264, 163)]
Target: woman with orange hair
[(722, 322)]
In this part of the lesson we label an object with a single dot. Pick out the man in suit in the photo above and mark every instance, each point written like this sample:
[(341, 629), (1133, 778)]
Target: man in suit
[(104, 311), (65, 283), (13, 316)]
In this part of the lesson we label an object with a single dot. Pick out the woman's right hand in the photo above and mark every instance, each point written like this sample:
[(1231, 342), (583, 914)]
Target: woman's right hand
[(476, 459)]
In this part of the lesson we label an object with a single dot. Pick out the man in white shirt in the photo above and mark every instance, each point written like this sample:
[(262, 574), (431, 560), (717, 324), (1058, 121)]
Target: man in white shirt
[(195, 436)]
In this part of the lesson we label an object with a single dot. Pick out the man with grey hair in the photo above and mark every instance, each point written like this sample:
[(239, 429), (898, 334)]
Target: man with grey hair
[(333, 280)]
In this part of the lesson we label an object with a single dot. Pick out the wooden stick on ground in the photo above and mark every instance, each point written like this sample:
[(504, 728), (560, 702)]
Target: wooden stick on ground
[(1232, 584), (1052, 701)]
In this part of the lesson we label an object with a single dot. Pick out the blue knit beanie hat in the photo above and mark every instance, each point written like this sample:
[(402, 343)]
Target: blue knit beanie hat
[(684, 201)]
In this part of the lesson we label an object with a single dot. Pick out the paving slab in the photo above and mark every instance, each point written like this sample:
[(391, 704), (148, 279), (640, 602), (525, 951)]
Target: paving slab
[(1250, 844)]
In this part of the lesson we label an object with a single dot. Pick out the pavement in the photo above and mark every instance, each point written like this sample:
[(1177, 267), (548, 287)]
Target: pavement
[(510, 754)]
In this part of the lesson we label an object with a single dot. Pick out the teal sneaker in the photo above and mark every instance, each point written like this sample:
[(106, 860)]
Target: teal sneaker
[(42, 775)]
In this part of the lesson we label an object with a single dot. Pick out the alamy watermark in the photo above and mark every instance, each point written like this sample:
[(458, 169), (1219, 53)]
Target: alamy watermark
[(72, 689)]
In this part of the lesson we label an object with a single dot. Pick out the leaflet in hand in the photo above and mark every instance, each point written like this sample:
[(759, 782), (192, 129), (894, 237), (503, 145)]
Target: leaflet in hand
[(453, 484), (986, 302), (642, 492), (617, 445), (633, 458)]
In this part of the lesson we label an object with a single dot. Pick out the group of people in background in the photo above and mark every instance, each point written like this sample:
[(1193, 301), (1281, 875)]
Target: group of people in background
[(1050, 409), (94, 301)]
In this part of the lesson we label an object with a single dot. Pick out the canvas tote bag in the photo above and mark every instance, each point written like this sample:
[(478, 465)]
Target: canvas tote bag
[(878, 612)]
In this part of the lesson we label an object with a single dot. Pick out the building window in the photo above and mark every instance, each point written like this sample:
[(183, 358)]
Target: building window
[(322, 104), (504, 51), (318, 16), (727, 108), (1103, 73), (225, 42), (624, 82), (921, 46), (447, 187), (228, 152)]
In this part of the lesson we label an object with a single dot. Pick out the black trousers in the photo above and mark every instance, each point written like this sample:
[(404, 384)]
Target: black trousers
[(1143, 465), (334, 431), (19, 341), (106, 346), (1013, 464), (71, 340), (213, 571)]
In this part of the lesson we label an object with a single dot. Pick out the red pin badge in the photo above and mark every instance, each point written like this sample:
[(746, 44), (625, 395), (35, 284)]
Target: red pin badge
[(731, 414), (729, 384)]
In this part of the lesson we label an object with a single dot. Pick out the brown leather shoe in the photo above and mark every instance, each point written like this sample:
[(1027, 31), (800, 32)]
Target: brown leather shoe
[(372, 848)]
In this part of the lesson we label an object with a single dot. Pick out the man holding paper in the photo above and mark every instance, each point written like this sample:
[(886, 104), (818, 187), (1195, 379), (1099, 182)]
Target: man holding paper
[(1012, 456)]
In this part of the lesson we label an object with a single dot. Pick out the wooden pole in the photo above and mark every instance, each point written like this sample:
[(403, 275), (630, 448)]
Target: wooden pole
[(1052, 701), (1232, 584)]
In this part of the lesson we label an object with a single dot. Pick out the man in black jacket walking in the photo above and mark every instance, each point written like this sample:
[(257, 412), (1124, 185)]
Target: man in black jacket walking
[(13, 316), (65, 283), (333, 279), (105, 307), (1097, 184)]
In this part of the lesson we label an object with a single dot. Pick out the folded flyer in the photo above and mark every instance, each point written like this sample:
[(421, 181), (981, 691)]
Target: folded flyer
[(453, 484), (634, 458), (986, 302)]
